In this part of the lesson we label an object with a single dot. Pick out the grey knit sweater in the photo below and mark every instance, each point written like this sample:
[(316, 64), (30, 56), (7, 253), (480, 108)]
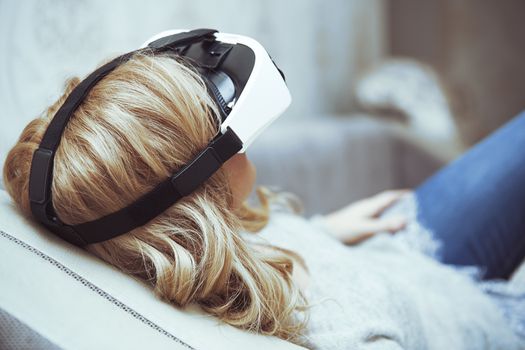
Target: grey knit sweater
[(383, 294)]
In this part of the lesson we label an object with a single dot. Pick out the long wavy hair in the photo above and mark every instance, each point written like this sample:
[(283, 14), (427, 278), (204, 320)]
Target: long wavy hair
[(137, 126)]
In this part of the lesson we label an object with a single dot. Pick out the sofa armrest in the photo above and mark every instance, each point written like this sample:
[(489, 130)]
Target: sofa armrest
[(55, 295)]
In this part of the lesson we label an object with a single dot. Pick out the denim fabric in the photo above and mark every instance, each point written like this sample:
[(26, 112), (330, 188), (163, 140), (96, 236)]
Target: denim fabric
[(475, 206)]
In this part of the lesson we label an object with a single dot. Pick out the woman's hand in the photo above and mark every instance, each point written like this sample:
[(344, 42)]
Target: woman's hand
[(359, 220)]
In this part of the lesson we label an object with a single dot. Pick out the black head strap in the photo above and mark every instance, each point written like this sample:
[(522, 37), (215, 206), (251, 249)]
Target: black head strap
[(223, 147)]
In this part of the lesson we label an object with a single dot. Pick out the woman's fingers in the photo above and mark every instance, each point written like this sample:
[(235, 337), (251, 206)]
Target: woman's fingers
[(391, 224), (358, 230), (385, 199), (354, 239), (375, 205), (360, 220)]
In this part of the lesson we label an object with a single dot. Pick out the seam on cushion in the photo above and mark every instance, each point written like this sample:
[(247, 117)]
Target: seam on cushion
[(95, 289)]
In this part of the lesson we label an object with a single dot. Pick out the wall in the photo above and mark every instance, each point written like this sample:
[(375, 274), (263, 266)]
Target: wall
[(320, 45), (477, 46)]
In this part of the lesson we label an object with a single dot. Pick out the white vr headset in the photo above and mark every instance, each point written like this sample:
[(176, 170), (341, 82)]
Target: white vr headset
[(258, 93), (250, 93)]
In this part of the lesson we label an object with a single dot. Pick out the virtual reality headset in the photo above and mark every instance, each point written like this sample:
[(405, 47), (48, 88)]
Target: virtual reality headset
[(250, 93)]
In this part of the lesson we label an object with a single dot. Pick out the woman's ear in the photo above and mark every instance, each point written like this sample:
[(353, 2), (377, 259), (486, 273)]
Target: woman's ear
[(241, 175)]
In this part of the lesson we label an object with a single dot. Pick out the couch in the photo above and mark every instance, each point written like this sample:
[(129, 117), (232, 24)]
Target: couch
[(54, 295)]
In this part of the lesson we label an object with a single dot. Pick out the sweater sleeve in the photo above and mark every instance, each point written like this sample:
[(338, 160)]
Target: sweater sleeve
[(381, 344), (319, 223), (365, 315), (359, 339)]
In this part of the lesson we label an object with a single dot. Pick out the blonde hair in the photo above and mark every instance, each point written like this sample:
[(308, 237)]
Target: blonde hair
[(137, 126)]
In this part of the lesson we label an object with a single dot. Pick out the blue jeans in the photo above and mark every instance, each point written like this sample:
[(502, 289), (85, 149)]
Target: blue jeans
[(475, 206)]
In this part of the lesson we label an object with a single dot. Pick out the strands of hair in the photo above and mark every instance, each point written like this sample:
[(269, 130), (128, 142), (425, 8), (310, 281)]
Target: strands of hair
[(136, 127)]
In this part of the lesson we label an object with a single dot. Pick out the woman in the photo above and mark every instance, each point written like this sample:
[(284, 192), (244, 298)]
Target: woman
[(295, 279)]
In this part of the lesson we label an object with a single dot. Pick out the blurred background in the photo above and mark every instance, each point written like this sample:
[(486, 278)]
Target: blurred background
[(385, 93), (450, 71)]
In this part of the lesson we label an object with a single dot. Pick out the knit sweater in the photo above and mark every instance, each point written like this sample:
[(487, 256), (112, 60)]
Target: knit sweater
[(383, 294)]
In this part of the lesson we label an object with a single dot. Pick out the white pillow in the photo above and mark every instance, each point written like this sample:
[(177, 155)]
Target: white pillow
[(79, 302)]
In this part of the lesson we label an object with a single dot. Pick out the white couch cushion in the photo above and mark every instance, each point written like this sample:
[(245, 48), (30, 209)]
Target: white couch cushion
[(79, 302)]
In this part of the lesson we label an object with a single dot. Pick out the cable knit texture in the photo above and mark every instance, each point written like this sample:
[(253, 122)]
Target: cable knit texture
[(386, 293)]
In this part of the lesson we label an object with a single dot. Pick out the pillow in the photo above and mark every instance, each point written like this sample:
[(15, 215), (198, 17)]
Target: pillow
[(77, 301)]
